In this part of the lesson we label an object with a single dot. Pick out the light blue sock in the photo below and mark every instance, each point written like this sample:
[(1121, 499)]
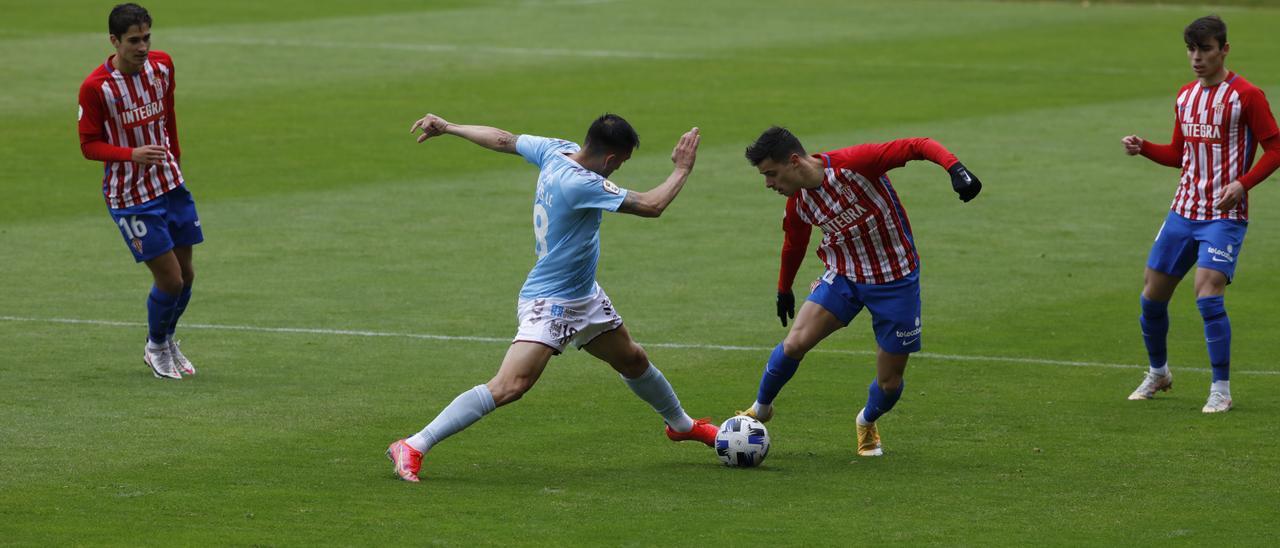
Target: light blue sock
[(464, 411), (653, 388)]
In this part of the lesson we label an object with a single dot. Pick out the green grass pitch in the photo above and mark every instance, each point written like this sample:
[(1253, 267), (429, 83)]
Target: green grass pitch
[(323, 218)]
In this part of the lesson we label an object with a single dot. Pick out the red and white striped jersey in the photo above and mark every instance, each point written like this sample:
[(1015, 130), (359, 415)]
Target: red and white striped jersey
[(1217, 129), (866, 234), (129, 111)]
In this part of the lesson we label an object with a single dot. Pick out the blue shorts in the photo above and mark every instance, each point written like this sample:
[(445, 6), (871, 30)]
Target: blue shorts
[(153, 228), (1211, 244), (894, 306)]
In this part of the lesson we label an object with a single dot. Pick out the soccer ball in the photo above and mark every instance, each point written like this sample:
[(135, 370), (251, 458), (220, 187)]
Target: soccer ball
[(742, 442)]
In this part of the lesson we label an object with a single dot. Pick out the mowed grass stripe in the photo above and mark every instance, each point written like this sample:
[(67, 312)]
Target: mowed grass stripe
[(688, 346)]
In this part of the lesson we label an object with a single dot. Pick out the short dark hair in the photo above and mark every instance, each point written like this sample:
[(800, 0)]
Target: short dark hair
[(1202, 29), (776, 143), (124, 16), (610, 133)]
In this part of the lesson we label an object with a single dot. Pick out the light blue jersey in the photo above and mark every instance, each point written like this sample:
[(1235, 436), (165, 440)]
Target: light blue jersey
[(566, 220)]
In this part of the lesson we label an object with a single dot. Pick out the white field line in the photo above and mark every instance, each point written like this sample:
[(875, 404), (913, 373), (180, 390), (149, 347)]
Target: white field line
[(729, 348), (435, 48)]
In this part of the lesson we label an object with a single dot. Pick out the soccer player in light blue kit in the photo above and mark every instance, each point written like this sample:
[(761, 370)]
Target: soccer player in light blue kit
[(560, 303)]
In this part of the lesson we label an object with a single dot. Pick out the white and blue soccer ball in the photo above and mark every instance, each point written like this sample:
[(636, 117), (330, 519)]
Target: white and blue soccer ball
[(742, 442)]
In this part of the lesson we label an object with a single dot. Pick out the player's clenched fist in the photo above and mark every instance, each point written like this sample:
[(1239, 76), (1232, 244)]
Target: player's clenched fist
[(1132, 145), (431, 126), (686, 151), (964, 182)]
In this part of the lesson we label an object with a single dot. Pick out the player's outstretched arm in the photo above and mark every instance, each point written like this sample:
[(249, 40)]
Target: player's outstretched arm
[(491, 138), (655, 201), (1166, 155)]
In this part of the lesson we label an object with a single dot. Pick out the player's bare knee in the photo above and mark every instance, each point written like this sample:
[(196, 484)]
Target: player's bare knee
[(795, 346), (633, 363), (508, 390), (170, 284), (1211, 285), (890, 384)]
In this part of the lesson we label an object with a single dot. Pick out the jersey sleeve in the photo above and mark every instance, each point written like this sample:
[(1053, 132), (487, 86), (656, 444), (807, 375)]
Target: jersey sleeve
[(881, 157), (1257, 115), (1257, 112), (535, 150), (91, 116), (795, 242), (591, 191), (171, 115)]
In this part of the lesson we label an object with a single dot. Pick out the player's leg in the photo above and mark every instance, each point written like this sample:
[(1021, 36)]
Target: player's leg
[(1220, 246), (520, 369), (883, 393), (828, 308), (1211, 286), (895, 317), (1172, 254), (183, 254), (165, 289), (624, 355), (184, 228)]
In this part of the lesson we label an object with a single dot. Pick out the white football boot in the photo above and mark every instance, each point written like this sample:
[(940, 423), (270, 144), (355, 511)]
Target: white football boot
[(1218, 403), (180, 361), (158, 358), (1151, 384)]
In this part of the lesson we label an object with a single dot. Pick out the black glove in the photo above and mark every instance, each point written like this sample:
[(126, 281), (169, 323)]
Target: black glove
[(786, 306), (965, 183)]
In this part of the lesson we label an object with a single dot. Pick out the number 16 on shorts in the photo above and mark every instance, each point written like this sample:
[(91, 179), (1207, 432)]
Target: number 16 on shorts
[(140, 235)]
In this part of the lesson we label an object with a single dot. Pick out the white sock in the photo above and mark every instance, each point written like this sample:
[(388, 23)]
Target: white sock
[(464, 411), (1221, 386), (862, 421), (653, 388), (1161, 371), (761, 409)]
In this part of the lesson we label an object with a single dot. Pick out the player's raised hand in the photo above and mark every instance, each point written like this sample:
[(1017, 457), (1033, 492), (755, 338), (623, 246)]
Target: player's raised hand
[(1231, 197), (786, 306), (965, 183), (150, 155), (431, 126), (686, 151), (1132, 145)]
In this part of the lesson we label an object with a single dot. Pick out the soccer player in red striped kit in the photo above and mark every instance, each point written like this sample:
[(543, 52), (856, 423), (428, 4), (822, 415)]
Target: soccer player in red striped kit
[(868, 250), (1219, 119), (127, 121)]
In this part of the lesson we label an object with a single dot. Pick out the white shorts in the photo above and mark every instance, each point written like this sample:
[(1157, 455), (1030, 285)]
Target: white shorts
[(558, 322)]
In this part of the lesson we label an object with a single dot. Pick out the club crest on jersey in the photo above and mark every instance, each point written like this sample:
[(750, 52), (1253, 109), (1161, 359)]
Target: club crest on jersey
[(1217, 109), (137, 245), (610, 187)]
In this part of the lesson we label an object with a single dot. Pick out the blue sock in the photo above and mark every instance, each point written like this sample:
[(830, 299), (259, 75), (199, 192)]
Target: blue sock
[(178, 308), (1217, 334), (1155, 331), (159, 313), (776, 374), (878, 402)]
